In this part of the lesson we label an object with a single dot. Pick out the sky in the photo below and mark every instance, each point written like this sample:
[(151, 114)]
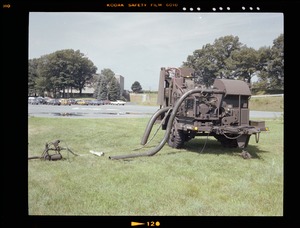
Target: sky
[(136, 45)]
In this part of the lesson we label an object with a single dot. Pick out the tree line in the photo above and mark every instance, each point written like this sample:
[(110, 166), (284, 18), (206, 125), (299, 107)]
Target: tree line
[(228, 58), (61, 72)]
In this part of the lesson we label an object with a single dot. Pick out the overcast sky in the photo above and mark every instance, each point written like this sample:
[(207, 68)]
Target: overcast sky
[(137, 45)]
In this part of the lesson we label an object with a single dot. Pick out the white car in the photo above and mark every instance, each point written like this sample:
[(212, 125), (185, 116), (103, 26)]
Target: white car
[(118, 102)]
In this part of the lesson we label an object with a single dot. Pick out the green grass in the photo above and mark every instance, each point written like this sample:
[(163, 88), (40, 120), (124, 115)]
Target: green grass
[(215, 182), (275, 104)]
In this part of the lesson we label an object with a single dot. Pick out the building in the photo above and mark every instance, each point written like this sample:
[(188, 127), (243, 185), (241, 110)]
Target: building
[(120, 79)]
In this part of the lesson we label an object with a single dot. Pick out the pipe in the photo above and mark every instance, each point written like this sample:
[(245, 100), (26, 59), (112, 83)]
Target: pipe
[(34, 157), (151, 123), (169, 126)]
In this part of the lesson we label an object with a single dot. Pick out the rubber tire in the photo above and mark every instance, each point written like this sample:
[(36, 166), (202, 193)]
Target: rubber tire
[(176, 139)]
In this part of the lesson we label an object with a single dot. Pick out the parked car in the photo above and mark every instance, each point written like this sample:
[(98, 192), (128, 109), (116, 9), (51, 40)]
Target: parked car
[(41, 100), (36, 100), (33, 100), (82, 102), (65, 102), (118, 102), (47, 99), (72, 101), (95, 102), (53, 102), (106, 102)]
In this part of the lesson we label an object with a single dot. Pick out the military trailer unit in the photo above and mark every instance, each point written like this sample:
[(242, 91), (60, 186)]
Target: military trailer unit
[(188, 109)]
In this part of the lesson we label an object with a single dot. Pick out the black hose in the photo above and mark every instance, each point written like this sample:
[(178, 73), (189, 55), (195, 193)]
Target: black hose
[(153, 151), (34, 157), (151, 123)]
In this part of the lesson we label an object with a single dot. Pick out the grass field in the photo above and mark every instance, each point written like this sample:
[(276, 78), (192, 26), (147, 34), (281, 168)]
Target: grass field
[(275, 104), (185, 182)]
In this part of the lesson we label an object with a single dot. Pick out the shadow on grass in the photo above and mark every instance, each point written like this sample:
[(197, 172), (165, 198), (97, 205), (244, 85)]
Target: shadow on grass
[(212, 146), (202, 146)]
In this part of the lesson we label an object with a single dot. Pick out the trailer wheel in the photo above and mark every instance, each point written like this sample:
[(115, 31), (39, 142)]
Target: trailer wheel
[(177, 138), (226, 142)]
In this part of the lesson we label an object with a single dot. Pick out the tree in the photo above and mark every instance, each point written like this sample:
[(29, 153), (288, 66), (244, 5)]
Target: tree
[(211, 61), (244, 63), (275, 66), (136, 87), (108, 74), (97, 86), (103, 90), (61, 70), (229, 58), (32, 76), (82, 70), (113, 90), (222, 51), (202, 61), (107, 86), (271, 59)]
